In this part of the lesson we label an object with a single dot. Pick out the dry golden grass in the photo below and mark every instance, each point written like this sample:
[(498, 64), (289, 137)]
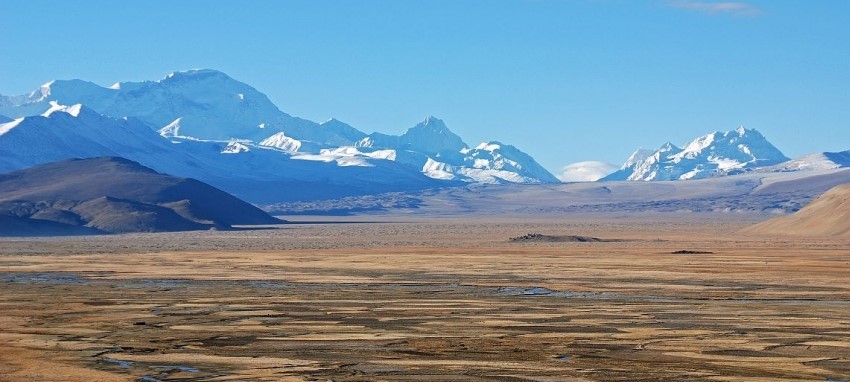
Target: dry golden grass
[(431, 300)]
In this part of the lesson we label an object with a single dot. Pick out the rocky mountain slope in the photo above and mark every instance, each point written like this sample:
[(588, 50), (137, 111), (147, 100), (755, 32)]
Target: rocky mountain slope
[(114, 195)]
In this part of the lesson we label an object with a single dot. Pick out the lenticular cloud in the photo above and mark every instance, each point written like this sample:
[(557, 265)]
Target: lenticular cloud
[(589, 171)]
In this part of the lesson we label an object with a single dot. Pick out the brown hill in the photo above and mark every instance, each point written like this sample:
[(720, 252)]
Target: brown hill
[(114, 195), (828, 215)]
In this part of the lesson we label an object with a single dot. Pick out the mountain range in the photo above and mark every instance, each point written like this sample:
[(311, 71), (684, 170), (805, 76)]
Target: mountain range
[(206, 125), (719, 154)]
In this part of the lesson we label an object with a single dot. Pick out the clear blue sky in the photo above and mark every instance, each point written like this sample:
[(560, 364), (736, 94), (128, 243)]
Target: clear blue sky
[(564, 80)]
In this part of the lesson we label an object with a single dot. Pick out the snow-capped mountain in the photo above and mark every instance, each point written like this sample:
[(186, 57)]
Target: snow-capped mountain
[(259, 174), (431, 136), (815, 161), (204, 124), (497, 162), (63, 132), (208, 105), (715, 154), (446, 156)]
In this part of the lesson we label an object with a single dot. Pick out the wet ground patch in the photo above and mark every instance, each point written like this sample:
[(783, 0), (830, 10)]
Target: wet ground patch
[(43, 278)]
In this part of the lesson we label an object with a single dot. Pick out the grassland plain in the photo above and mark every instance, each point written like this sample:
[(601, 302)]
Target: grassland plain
[(429, 299)]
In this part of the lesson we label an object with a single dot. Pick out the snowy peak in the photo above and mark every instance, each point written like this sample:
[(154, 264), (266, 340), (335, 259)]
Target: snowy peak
[(43, 92), (334, 122), (668, 147), (195, 75), (210, 104), (63, 92), (496, 162), (638, 156), (432, 125), (441, 154), (76, 131), (433, 122), (282, 142), (338, 133), (714, 154), (742, 131), (733, 149), (431, 136), (60, 90)]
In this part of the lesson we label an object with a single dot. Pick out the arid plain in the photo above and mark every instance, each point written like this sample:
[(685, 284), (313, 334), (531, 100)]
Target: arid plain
[(371, 298)]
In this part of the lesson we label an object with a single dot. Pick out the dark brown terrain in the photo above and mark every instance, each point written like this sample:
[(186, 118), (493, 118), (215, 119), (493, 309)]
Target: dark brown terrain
[(113, 195)]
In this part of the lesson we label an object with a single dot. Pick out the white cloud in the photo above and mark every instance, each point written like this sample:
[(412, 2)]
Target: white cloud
[(734, 8), (590, 171)]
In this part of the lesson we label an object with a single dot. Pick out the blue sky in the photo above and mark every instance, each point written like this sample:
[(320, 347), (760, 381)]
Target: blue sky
[(564, 80)]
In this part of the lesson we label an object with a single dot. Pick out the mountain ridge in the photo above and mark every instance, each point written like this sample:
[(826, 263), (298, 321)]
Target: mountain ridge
[(207, 110), (714, 154)]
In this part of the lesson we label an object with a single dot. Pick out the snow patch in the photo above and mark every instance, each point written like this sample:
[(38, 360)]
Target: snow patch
[(281, 141), (172, 129), (44, 90), (8, 126), (690, 174), (438, 170), (341, 160), (726, 164), (351, 151), (481, 163), (383, 154), (488, 146), (235, 147), (73, 110)]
